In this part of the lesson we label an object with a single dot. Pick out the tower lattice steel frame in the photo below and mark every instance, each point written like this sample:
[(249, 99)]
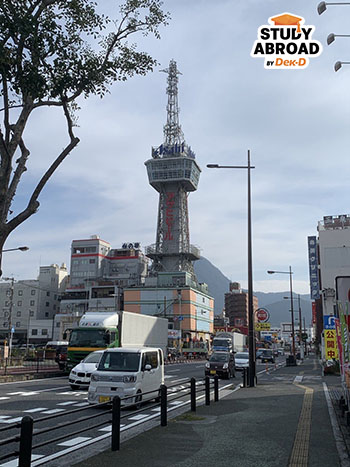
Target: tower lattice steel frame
[(173, 172)]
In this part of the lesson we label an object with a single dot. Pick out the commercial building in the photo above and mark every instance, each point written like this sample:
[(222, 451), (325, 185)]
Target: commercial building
[(28, 307), (237, 307)]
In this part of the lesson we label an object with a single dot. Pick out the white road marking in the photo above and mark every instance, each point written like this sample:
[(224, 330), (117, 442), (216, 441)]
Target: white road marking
[(298, 379), (49, 412), (71, 393), (3, 398), (14, 462), (139, 416), (67, 403), (23, 393), (82, 404), (176, 402), (38, 409), (5, 416), (172, 371), (156, 409), (109, 428), (74, 441), (11, 420)]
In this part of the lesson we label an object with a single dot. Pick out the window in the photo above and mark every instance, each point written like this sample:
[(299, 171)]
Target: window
[(32, 303), (55, 297), (18, 313), (150, 358), (47, 304), (92, 261), (44, 332), (47, 294), (58, 325), (18, 324), (31, 313), (46, 314), (54, 307), (19, 303), (32, 292), (20, 292), (34, 332)]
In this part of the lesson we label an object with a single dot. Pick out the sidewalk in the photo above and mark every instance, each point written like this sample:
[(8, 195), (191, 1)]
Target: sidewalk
[(281, 422)]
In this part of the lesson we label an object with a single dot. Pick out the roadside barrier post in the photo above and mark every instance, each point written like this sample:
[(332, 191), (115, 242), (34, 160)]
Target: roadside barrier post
[(216, 388), (207, 390), (25, 443), (116, 423), (193, 394), (37, 365), (163, 405), (244, 375)]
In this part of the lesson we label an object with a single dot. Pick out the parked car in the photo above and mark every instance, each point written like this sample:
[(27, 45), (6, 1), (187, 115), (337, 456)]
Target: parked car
[(241, 360), (128, 372), (61, 357), (265, 355), (221, 364)]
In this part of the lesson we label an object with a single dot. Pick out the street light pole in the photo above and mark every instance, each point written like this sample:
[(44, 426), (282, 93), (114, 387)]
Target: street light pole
[(251, 340), (291, 303)]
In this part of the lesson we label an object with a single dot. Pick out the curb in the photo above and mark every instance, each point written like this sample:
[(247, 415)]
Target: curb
[(29, 377)]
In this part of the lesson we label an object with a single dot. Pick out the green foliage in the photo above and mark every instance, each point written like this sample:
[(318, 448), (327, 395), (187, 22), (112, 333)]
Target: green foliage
[(55, 48)]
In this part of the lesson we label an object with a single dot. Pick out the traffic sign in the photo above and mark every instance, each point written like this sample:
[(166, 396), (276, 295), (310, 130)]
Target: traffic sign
[(262, 315), (262, 326)]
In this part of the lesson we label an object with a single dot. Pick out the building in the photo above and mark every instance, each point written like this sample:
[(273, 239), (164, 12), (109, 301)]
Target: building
[(28, 307), (237, 307), (98, 277), (329, 266)]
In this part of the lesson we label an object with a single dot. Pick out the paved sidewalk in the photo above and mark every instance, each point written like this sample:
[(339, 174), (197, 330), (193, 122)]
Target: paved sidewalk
[(284, 421)]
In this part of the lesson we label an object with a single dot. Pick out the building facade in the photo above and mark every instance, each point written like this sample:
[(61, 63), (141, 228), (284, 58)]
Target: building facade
[(28, 307), (237, 307)]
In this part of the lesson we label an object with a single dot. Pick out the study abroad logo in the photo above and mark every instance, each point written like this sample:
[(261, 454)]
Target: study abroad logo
[(286, 43)]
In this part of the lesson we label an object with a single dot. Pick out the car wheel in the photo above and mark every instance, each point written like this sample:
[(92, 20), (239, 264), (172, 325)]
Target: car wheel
[(138, 401), (74, 386)]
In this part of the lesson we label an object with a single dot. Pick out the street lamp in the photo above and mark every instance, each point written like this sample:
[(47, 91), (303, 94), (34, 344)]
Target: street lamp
[(291, 304), (322, 7), (251, 341), (331, 37), (21, 248), (300, 324)]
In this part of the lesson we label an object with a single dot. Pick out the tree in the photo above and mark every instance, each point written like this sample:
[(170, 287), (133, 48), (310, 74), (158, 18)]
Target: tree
[(51, 53)]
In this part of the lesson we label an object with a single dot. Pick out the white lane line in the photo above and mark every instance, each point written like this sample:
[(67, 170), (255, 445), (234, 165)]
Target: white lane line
[(38, 409), (70, 393), (156, 409), (5, 416), (14, 462), (109, 428), (4, 398), (139, 416), (11, 420), (67, 403), (74, 441), (82, 404), (49, 412), (338, 437), (176, 402), (172, 371), (23, 393)]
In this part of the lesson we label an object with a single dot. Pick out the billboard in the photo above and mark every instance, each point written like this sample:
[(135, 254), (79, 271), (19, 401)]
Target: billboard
[(313, 268)]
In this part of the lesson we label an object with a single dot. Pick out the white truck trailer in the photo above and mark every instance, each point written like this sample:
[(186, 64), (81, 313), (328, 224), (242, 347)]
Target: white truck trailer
[(99, 330), (229, 341)]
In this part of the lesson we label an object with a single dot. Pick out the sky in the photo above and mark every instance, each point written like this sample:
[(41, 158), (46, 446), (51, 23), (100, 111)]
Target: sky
[(294, 122)]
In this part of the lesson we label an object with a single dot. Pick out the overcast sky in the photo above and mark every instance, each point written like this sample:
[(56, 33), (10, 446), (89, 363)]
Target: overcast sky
[(296, 124)]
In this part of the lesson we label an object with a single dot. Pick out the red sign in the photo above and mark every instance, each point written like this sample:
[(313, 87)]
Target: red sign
[(262, 315)]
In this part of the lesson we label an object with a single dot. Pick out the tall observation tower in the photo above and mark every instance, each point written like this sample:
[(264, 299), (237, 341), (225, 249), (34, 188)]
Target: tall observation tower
[(173, 172)]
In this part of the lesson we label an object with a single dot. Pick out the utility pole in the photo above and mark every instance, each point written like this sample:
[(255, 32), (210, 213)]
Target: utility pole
[(300, 331)]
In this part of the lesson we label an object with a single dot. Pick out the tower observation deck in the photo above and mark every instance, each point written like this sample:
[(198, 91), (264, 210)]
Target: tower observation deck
[(173, 172)]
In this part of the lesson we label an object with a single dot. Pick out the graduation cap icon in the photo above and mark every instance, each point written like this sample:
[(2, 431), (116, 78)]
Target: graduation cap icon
[(287, 20)]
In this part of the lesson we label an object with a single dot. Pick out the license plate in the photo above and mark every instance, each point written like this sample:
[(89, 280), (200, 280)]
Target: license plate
[(212, 372), (103, 399)]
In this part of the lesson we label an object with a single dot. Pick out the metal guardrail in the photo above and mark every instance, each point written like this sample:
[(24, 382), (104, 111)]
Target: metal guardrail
[(27, 432), (14, 365)]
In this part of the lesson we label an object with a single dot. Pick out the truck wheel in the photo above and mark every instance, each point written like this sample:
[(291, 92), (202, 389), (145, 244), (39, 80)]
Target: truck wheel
[(74, 387)]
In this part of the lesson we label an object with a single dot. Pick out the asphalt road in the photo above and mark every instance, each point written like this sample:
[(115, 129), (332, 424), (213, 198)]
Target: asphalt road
[(52, 397)]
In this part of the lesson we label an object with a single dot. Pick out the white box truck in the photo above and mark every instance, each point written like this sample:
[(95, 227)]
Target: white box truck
[(229, 342), (100, 330)]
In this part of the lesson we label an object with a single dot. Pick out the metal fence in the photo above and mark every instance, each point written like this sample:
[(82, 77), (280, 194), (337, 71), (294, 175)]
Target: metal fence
[(27, 435), (19, 365)]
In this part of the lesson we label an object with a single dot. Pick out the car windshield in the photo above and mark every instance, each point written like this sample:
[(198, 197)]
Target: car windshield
[(216, 357), (119, 361), (222, 342), (88, 338), (243, 355), (93, 357), (268, 353)]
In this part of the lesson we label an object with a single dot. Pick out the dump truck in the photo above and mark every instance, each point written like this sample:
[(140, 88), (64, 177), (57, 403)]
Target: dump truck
[(100, 330)]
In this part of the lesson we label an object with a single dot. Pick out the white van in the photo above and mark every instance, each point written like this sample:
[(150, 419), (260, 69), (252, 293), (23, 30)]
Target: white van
[(127, 372)]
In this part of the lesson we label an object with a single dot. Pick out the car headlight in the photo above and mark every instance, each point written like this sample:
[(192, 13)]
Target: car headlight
[(207, 365), (129, 379), (225, 366), (95, 378)]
